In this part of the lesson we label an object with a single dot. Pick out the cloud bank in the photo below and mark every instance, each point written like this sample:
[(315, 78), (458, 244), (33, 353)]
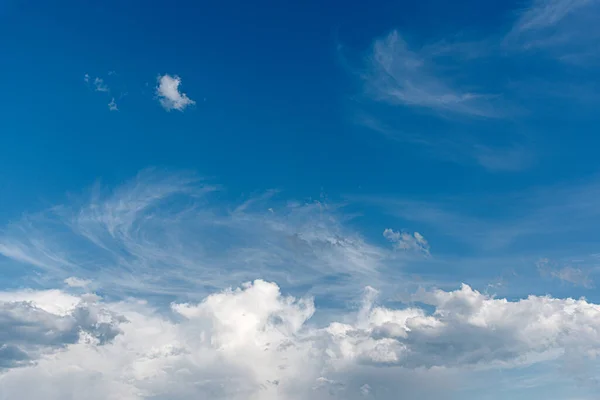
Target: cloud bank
[(253, 342), (139, 295)]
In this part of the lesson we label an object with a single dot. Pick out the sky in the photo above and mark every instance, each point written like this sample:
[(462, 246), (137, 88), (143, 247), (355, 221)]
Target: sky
[(299, 200)]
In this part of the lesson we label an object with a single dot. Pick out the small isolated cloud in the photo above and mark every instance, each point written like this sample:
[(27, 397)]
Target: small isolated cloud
[(169, 95), (544, 14), (77, 282), (405, 241), (112, 106), (365, 389), (568, 274), (100, 85)]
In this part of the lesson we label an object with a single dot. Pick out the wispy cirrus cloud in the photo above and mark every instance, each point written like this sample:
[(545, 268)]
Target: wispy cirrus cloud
[(564, 28), (565, 273), (426, 79), (512, 157), (399, 75), (461, 80), (564, 215), (544, 14), (165, 233)]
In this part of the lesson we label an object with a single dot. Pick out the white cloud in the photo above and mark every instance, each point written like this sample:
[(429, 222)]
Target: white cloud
[(169, 234), (112, 106), (573, 275), (550, 218), (515, 158), (406, 241), (76, 282), (401, 76), (544, 14), (35, 323), (162, 238), (169, 95), (255, 343), (100, 85), (566, 29)]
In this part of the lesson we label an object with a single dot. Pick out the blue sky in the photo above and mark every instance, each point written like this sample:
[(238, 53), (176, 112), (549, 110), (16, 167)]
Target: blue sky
[(421, 177)]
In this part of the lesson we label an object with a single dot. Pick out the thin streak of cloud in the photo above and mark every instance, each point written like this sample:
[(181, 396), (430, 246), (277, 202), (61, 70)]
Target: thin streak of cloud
[(164, 234), (544, 14), (401, 76), (463, 151), (569, 274), (564, 29), (538, 214), (515, 158)]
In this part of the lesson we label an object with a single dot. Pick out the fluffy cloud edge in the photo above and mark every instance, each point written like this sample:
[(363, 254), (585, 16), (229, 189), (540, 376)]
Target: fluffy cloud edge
[(169, 95), (254, 342)]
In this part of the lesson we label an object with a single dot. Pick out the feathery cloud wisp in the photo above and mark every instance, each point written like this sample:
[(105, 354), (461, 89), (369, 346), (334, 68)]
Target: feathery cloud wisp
[(399, 75), (164, 233)]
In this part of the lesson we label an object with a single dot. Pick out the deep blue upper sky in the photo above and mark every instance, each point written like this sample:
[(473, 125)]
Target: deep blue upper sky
[(274, 98)]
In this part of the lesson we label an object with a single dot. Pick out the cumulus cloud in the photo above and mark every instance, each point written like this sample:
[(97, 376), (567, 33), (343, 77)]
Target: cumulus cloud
[(253, 342), (406, 241), (37, 322), (169, 95)]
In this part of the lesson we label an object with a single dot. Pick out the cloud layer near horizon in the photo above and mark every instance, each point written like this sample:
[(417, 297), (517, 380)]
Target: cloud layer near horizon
[(110, 262), (253, 342)]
